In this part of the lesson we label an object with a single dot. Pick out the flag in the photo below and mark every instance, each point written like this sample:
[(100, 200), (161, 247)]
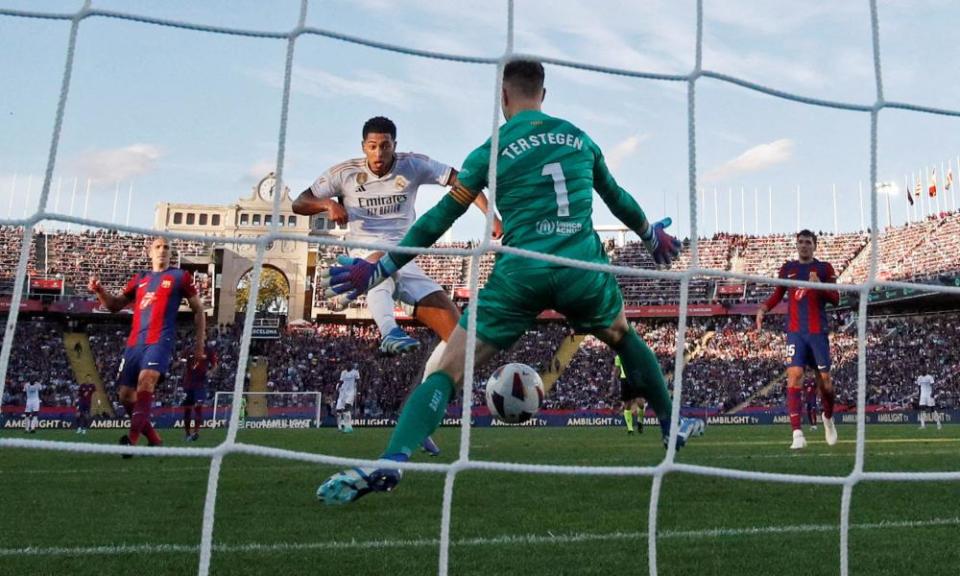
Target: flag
[(909, 196), (932, 187), (949, 181), (917, 189)]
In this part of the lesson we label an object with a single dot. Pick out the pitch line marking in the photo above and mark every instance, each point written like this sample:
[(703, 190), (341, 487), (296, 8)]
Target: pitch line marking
[(868, 443), (505, 539)]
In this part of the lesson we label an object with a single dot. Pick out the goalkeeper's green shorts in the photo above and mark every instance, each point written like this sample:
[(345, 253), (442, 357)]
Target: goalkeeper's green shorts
[(510, 301)]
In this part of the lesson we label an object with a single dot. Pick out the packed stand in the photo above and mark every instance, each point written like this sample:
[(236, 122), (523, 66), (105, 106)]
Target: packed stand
[(897, 245), (38, 355), (764, 255), (11, 240), (113, 256), (723, 370)]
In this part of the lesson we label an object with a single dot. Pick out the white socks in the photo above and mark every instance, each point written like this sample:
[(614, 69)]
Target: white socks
[(380, 303)]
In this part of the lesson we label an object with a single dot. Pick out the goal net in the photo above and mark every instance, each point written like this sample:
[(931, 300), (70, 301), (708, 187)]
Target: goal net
[(227, 404), (270, 409)]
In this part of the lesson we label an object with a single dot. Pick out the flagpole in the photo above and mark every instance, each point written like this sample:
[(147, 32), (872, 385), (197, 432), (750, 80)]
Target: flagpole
[(918, 217), (116, 198), (953, 189), (918, 207), (756, 210), (730, 209), (13, 192), (946, 201), (716, 211), (743, 212), (836, 227), (86, 201), (936, 186), (73, 196), (129, 202), (926, 186), (889, 215), (923, 194), (906, 186), (798, 207), (863, 226), (26, 201), (770, 209)]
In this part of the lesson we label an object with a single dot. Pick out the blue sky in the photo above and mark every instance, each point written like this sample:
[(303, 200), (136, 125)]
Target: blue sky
[(190, 116)]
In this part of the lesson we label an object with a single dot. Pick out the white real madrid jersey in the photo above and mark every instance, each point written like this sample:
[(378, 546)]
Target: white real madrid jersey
[(33, 391), (380, 208), (925, 383), (348, 381)]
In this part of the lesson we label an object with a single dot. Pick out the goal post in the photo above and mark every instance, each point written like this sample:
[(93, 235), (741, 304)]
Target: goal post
[(260, 404)]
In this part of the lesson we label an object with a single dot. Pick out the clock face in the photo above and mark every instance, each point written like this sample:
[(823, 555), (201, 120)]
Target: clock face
[(266, 188)]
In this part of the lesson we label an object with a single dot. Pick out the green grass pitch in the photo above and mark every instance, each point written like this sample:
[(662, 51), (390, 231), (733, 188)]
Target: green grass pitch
[(67, 513)]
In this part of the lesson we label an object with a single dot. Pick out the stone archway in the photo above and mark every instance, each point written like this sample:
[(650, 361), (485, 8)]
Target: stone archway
[(274, 294)]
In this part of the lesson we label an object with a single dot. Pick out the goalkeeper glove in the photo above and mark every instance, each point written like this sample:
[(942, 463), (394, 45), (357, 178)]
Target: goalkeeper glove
[(661, 245), (355, 276)]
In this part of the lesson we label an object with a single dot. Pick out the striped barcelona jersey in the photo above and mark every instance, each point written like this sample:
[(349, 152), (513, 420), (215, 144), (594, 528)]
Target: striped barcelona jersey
[(85, 393), (156, 297), (806, 308), (196, 373)]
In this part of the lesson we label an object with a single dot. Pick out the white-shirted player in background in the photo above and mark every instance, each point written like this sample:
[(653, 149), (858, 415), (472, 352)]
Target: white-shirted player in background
[(32, 410), (927, 405), (346, 398), (379, 193)]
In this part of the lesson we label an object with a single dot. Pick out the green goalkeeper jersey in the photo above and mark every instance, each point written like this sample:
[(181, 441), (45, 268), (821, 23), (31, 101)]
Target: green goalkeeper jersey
[(546, 171)]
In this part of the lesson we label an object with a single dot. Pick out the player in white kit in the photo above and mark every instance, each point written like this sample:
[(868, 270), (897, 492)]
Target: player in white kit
[(32, 409), (927, 404), (346, 397), (379, 193)]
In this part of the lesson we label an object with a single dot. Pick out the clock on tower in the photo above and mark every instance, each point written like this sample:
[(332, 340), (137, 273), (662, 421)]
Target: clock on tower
[(267, 187)]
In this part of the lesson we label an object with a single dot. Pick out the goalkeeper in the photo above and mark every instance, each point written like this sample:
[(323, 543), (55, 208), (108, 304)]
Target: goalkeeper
[(546, 174)]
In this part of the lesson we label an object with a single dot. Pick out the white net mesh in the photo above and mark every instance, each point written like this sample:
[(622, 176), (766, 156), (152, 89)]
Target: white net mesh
[(231, 446)]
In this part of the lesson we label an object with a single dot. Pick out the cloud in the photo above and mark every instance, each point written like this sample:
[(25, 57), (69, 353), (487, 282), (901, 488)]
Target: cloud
[(891, 188), (116, 164), (624, 150), (754, 159)]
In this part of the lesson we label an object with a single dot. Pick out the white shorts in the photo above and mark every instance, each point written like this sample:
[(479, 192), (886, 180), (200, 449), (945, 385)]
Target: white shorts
[(32, 406), (345, 400), (927, 400), (409, 285)]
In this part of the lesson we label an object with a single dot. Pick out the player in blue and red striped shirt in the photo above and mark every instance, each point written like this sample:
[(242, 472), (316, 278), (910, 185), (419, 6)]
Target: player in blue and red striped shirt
[(195, 387), (84, 397), (808, 343), (156, 297)]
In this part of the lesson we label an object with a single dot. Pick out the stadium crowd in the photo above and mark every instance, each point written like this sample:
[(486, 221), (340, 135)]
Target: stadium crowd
[(728, 363)]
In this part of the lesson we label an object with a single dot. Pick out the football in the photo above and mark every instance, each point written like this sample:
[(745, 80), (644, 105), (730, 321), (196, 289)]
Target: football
[(514, 393)]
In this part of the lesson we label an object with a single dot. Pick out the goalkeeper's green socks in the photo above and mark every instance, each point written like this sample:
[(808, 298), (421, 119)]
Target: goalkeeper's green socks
[(421, 415), (644, 377), (628, 418)]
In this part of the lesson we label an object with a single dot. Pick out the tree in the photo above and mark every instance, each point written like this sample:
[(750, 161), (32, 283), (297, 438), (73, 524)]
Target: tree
[(274, 291)]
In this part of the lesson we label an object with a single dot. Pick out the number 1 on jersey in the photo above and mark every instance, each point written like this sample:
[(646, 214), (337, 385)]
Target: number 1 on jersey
[(555, 171)]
